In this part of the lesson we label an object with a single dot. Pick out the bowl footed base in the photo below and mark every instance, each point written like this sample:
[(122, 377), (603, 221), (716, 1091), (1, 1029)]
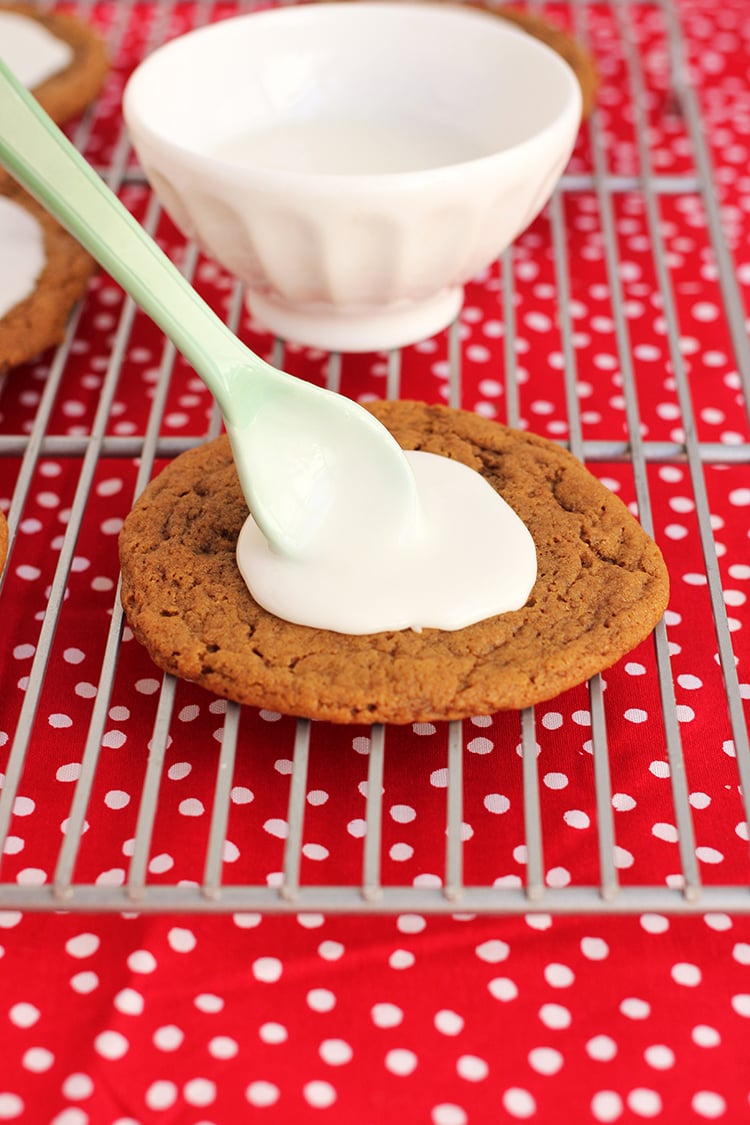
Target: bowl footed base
[(359, 329)]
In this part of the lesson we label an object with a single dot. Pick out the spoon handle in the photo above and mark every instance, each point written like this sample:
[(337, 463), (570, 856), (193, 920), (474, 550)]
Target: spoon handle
[(44, 161)]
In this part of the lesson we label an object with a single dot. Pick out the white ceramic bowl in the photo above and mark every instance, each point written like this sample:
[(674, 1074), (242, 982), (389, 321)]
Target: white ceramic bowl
[(354, 164)]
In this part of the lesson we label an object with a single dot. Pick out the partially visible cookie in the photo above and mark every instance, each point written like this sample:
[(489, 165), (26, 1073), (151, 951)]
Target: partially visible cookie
[(71, 89), (571, 49), (37, 320), (601, 587), (3, 541)]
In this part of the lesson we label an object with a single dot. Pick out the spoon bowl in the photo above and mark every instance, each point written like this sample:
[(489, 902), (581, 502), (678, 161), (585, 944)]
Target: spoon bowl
[(302, 453)]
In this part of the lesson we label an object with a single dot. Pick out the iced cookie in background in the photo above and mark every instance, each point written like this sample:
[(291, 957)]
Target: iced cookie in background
[(601, 587), (58, 57), (43, 270), (43, 273)]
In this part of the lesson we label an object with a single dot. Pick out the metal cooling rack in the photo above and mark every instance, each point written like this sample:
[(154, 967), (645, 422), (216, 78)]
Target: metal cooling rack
[(370, 893)]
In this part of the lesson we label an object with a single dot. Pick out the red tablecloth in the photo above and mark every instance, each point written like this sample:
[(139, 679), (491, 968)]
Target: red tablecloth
[(123, 1019)]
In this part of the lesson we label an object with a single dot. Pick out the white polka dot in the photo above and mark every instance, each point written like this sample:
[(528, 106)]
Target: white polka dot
[(209, 1003), (169, 1037), (129, 1002), (709, 855), (401, 1061), (116, 799), (23, 1015), (449, 1022), (554, 1016), (402, 814), (181, 940), (602, 1048), (635, 1009), (576, 818), (558, 976), (141, 961), (262, 1093), (223, 1047), (410, 923), (241, 795), (401, 959), (654, 923), (273, 1033), (519, 1103), (555, 780), (84, 983), (472, 1068), (335, 1052), (741, 1004), (659, 1056), (10, 1106), (77, 1087), (191, 806), (503, 988), (718, 922), (448, 1114), (666, 832), (545, 1060), (38, 1060), (83, 945), (199, 1091), (161, 1095), (492, 951), (708, 1104), (267, 969), (276, 826), (111, 1045), (386, 1015), (321, 1000), (480, 746), (687, 974), (606, 1105), (645, 1103), (319, 1094), (705, 1036)]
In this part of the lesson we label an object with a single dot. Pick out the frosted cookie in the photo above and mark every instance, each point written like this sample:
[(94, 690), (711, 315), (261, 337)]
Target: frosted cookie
[(60, 59), (43, 272), (601, 587)]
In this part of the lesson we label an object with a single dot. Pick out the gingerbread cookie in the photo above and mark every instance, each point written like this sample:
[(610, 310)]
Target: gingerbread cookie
[(58, 57), (43, 272), (601, 587)]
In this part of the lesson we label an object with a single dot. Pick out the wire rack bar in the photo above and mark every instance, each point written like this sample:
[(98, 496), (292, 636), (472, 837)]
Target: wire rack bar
[(170, 898)]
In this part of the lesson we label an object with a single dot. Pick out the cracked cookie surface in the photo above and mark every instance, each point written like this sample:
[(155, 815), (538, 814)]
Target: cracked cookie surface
[(600, 589)]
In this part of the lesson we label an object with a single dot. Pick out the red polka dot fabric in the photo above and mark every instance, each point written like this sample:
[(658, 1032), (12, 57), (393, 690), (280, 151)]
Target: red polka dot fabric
[(615, 324)]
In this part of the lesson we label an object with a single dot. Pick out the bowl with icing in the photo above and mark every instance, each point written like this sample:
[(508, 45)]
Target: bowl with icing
[(354, 164)]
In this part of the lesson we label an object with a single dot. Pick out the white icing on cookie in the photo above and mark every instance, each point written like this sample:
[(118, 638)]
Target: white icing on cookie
[(22, 258), (31, 52)]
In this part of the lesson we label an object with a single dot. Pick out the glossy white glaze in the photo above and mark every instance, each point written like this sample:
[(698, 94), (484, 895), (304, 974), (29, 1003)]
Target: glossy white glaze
[(32, 53), (22, 258), (465, 556)]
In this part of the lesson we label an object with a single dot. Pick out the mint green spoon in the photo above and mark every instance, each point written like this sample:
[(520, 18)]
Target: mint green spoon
[(310, 462)]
